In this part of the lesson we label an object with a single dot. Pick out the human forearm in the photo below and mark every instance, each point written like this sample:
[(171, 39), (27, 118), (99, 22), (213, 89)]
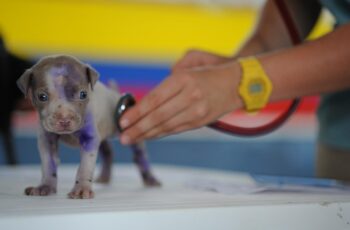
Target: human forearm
[(192, 98), (320, 66)]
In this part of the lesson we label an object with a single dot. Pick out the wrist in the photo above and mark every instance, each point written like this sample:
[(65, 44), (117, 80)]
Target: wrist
[(255, 87), (233, 77)]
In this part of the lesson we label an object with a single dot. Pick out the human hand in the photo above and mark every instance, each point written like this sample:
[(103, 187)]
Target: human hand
[(196, 58), (186, 100)]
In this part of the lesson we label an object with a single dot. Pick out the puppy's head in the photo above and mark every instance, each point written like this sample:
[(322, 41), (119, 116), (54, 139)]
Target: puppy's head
[(59, 87)]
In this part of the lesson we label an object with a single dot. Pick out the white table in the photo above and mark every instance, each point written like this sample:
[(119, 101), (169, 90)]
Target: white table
[(125, 204)]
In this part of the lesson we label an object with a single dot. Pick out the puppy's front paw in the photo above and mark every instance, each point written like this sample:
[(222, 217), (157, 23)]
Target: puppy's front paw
[(81, 192), (41, 190)]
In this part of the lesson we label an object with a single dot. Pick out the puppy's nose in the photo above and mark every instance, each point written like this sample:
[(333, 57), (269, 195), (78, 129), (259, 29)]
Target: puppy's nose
[(64, 123)]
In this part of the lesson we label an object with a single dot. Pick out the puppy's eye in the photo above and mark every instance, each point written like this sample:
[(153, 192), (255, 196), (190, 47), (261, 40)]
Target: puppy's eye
[(43, 97), (83, 95)]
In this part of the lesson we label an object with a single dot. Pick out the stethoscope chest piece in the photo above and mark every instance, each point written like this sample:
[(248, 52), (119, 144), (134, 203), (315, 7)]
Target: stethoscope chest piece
[(125, 102)]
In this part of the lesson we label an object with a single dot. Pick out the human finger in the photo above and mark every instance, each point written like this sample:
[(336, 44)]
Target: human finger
[(190, 118), (160, 115), (163, 92)]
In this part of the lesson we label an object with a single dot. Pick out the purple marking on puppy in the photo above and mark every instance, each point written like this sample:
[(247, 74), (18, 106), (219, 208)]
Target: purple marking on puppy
[(56, 72), (67, 81), (59, 71), (87, 134), (52, 142), (140, 158), (53, 165)]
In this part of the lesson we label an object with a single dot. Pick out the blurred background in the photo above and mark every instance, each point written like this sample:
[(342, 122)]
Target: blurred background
[(135, 42)]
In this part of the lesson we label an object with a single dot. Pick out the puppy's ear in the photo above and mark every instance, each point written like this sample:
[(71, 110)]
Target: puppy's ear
[(92, 75), (25, 81)]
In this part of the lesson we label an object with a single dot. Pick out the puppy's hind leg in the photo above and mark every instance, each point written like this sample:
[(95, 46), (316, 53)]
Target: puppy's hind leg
[(106, 153), (141, 161)]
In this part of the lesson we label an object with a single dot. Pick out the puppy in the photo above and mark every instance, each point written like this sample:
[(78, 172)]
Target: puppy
[(75, 108)]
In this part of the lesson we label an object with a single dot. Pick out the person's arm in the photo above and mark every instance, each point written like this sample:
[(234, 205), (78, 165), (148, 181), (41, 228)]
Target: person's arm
[(315, 67), (194, 97)]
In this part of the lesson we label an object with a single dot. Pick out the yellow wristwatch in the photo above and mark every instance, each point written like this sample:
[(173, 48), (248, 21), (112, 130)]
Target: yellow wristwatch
[(255, 87)]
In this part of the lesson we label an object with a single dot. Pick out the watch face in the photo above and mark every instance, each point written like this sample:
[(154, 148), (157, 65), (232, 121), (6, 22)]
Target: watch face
[(256, 87)]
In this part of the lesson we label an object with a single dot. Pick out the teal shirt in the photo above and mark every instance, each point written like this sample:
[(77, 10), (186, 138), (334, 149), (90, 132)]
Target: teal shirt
[(334, 109)]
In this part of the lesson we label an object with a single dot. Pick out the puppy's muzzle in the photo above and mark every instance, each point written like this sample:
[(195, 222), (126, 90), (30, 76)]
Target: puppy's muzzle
[(64, 123), (60, 122)]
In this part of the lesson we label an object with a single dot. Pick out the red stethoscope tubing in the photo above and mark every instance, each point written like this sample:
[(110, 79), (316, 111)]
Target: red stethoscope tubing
[(279, 121)]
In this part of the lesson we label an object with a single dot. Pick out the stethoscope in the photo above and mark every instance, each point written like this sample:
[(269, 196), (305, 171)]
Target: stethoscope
[(127, 100)]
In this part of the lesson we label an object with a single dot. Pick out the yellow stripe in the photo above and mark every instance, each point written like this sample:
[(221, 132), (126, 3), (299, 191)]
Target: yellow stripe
[(121, 30)]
